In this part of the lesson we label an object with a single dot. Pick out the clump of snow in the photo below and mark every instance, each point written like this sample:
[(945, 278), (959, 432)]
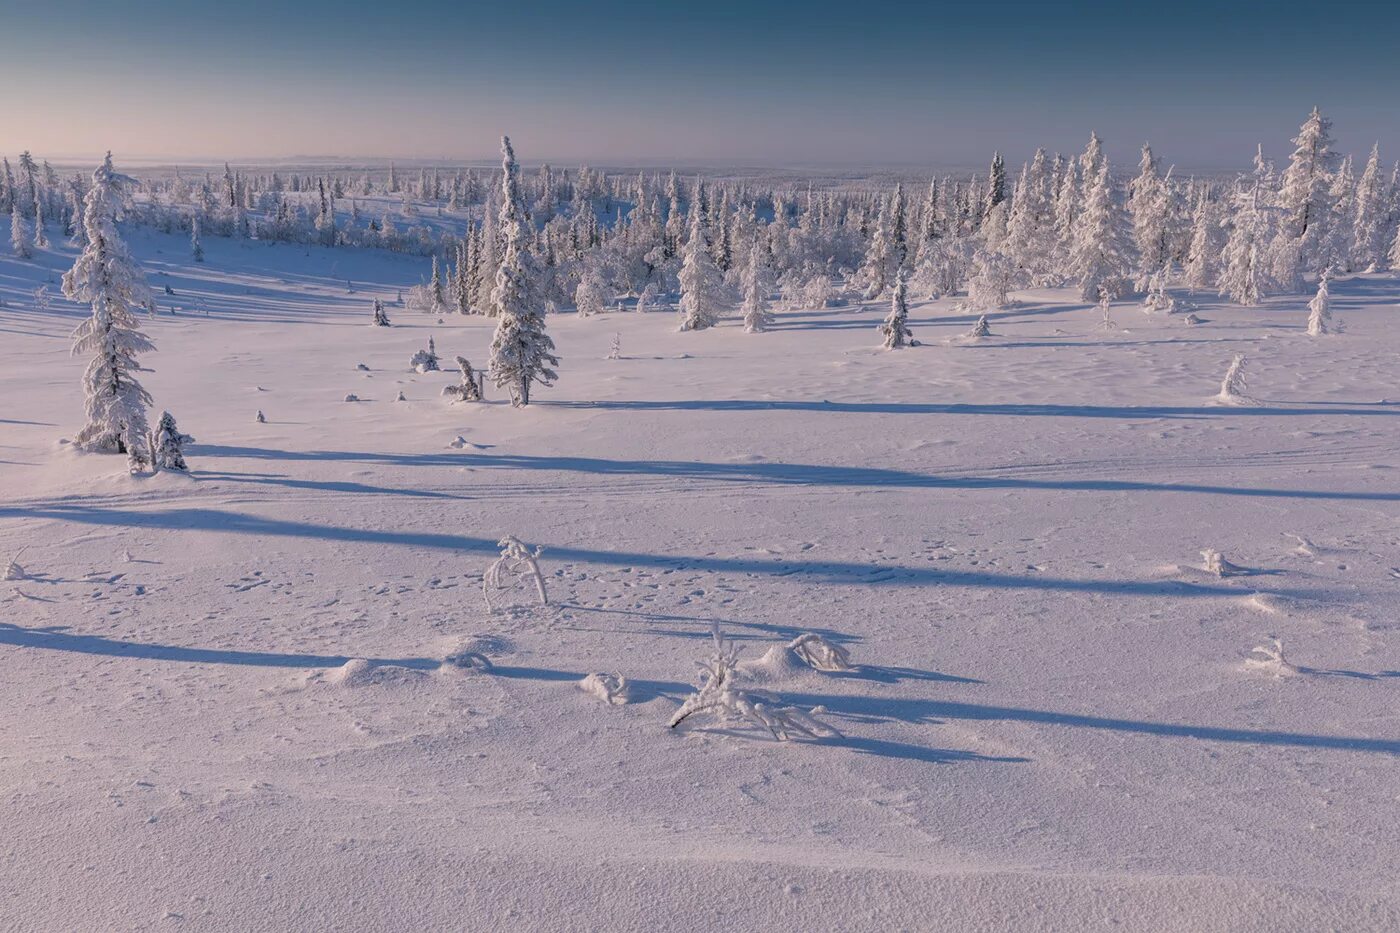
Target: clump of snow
[(820, 654), (1216, 564), (610, 688), (1269, 659), (352, 397)]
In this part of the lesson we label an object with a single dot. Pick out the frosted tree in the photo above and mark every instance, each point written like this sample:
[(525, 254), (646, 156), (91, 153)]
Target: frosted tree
[(1101, 256), (1341, 219), (1233, 386), (756, 286), (1154, 214), (521, 352), (1372, 216), (982, 328), (1204, 250), (381, 317), (196, 246), (1320, 308), (896, 325), (1245, 272), (700, 280), (1303, 195), (19, 234), (167, 444), (880, 256), (107, 278), (993, 275), (591, 293), (468, 390), (41, 238)]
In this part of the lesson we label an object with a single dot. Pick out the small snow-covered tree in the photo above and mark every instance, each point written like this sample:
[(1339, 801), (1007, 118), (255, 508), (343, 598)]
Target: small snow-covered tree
[(701, 286), (516, 564), (591, 294), (107, 278), (521, 352), (982, 328), (756, 285), (167, 444), (19, 234), (1320, 308), (425, 361), (41, 238), (196, 245), (896, 325), (381, 317), (1233, 386), (467, 390)]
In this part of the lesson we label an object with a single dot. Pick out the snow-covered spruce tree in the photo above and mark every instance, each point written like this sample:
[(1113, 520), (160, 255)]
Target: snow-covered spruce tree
[(1320, 308), (993, 275), (19, 234), (896, 325), (1304, 195), (167, 444), (701, 286), (106, 277), (1372, 215), (381, 317), (1203, 252), (1101, 257), (196, 246), (41, 238), (467, 390), (756, 286), (1245, 274), (590, 295), (521, 351)]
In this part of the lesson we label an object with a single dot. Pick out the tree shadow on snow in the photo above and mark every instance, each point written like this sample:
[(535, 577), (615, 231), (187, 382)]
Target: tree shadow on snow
[(54, 639)]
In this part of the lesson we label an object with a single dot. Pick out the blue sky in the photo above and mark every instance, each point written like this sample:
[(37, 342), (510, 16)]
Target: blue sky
[(776, 82)]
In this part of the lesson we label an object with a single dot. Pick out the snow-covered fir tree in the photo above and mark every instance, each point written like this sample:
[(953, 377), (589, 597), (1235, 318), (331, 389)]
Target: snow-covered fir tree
[(20, 242), (1101, 258), (1372, 217), (196, 245), (381, 317), (756, 285), (521, 352), (1303, 196), (1245, 273), (701, 285), (105, 277), (896, 324), (1203, 252), (167, 444)]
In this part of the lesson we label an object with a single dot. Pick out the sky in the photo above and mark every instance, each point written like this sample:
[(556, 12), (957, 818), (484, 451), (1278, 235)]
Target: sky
[(758, 83)]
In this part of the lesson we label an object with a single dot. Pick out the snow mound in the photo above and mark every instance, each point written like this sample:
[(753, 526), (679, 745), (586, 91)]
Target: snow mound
[(610, 688), (359, 672)]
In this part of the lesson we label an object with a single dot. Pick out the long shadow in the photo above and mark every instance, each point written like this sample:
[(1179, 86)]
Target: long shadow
[(275, 479), (936, 756), (925, 711), (977, 411), (53, 640), (793, 474), (843, 572), (782, 631)]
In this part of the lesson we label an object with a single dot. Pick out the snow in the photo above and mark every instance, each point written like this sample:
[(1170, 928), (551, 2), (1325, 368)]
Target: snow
[(290, 709)]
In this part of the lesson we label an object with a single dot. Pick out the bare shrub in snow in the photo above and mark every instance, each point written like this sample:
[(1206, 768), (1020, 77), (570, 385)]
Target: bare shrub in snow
[(610, 688), (516, 565), (719, 697)]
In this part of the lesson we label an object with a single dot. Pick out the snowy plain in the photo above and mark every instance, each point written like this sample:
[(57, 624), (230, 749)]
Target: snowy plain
[(1050, 724)]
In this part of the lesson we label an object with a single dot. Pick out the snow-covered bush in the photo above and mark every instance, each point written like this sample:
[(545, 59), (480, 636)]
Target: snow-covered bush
[(13, 571), (1320, 308), (820, 654), (468, 390), (425, 361), (516, 565)]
